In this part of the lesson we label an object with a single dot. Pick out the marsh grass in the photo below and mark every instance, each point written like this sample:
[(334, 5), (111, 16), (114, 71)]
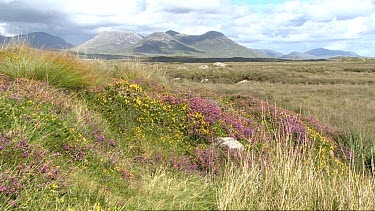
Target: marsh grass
[(285, 181), (57, 68)]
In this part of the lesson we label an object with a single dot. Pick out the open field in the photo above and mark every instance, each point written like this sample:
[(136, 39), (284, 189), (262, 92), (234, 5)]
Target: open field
[(340, 94), (108, 135)]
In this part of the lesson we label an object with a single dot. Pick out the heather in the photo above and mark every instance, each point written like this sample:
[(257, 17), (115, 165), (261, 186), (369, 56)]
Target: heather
[(133, 141)]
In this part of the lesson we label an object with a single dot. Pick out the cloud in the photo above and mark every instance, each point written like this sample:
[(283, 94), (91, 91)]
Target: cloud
[(300, 24), (177, 7), (292, 25)]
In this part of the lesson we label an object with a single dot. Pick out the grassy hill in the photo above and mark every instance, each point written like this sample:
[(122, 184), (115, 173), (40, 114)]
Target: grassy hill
[(97, 135)]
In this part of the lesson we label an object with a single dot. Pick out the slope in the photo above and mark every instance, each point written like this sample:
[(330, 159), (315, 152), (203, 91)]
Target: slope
[(216, 44), (112, 42), (40, 40), (160, 43)]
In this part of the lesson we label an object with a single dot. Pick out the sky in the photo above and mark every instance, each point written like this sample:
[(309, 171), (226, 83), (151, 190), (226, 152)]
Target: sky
[(281, 25)]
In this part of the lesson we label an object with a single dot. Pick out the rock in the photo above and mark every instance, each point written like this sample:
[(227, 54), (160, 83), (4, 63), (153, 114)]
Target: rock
[(243, 81), (219, 64), (182, 68), (230, 143), (203, 67), (204, 80)]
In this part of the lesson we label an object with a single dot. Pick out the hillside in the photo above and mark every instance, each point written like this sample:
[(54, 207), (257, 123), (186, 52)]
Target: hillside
[(160, 43), (93, 135), (216, 45), (109, 43), (272, 53), (39, 40)]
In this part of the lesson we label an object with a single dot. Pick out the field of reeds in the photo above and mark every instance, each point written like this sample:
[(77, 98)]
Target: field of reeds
[(110, 135)]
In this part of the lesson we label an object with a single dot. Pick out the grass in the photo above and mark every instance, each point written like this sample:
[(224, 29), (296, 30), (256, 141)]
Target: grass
[(133, 140), (338, 93), (288, 182), (58, 69)]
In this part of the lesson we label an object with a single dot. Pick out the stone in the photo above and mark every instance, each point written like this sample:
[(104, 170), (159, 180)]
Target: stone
[(230, 143), (243, 81), (204, 67), (204, 80), (219, 64)]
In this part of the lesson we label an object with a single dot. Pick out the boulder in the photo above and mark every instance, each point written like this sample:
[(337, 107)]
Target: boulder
[(230, 143)]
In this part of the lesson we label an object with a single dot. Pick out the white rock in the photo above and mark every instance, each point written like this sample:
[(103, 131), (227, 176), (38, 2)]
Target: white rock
[(203, 67), (204, 80), (243, 81), (230, 142), (219, 64)]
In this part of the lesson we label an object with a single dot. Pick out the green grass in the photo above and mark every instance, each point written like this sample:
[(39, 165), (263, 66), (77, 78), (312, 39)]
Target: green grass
[(58, 69), (86, 145)]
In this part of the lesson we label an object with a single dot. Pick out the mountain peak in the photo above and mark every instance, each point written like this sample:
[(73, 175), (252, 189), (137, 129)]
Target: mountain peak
[(159, 36), (212, 34), (172, 33)]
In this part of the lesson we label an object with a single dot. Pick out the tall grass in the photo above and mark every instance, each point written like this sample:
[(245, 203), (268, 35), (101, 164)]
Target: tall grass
[(57, 68), (168, 190), (285, 181)]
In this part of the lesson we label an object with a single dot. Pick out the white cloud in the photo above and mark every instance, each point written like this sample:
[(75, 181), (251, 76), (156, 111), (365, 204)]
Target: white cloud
[(299, 24)]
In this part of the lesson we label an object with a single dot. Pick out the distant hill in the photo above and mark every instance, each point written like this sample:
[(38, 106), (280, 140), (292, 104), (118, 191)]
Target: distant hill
[(216, 44), (109, 43), (319, 53), (39, 40), (298, 55), (170, 43), (326, 53), (272, 53), (160, 43)]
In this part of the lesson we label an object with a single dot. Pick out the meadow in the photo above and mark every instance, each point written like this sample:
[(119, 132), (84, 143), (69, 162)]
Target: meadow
[(81, 134), (340, 93)]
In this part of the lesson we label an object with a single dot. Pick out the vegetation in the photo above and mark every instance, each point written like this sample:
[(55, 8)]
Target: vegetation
[(121, 136), (339, 93), (61, 71)]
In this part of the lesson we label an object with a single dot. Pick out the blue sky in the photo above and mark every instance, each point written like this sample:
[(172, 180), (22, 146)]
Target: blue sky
[(282, 25)]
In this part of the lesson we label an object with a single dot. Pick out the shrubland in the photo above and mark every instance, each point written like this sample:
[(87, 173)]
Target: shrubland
[(98, 135)]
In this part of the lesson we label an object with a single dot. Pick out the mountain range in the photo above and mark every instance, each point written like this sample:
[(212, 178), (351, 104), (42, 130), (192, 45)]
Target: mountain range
[(171, 43), (209, 45)]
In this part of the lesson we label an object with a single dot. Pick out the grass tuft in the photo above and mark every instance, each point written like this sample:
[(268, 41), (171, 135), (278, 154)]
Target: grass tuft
[(57, 68)]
